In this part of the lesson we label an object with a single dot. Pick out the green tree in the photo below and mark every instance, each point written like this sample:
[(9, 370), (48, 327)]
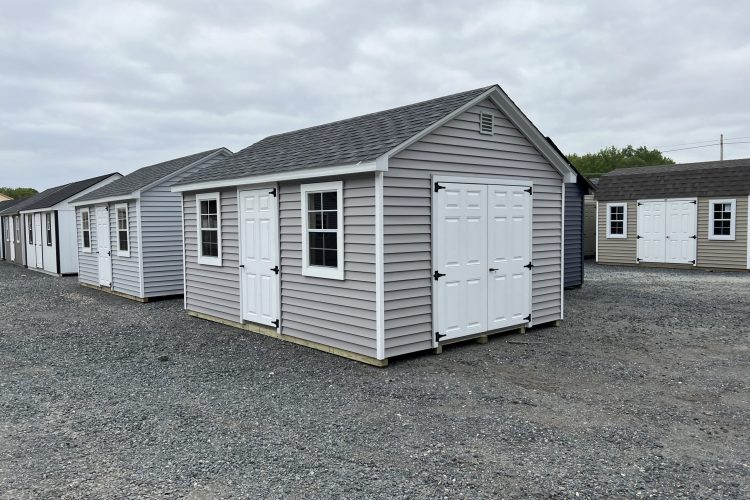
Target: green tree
[(597, 164), (19, 192)]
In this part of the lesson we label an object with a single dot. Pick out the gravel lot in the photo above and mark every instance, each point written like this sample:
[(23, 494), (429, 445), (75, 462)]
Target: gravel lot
[(642, 392)]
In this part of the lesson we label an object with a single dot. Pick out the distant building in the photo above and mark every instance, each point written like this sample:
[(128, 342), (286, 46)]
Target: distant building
[(4, 197)]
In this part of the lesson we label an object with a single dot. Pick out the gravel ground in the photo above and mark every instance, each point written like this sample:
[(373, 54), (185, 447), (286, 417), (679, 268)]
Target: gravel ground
[(642, 392)]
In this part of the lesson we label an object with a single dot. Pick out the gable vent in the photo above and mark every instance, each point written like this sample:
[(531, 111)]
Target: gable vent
[(486, 123)]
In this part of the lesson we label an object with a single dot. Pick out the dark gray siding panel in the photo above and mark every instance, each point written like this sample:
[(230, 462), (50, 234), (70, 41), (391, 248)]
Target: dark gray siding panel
[(457, 148), (88, 262), (161, 229), (589, 226), (339, 313), (214, 290), (573, 235)]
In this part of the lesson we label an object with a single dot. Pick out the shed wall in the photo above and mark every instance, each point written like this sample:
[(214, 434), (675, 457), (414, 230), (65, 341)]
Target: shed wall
[(618, 250), (126, 274), (573, 234), (457, 148), (88, 262), (722, 254)]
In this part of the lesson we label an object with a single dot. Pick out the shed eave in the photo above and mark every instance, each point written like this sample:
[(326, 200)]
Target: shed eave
[(356, 168), (130, 196)]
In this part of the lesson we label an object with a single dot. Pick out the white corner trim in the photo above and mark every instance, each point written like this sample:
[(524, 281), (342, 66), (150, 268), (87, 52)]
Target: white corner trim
[(122, 253), (562, 254), (732, 224), (624, 234), (596, 232), (209, 261), (379, 268), (747, 213), (311, 173), (140, 245), (184, 263), (335, 273)]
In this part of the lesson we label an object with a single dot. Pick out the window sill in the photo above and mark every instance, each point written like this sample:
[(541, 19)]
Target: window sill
[(85, 250), (332, 273), (721, 238), (210, 261), (617, 236), (120, 253)]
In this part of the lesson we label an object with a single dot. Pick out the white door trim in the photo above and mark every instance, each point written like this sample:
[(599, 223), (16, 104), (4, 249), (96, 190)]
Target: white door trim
[(480, 180)]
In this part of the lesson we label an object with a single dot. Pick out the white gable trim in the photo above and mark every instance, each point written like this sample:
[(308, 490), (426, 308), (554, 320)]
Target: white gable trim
[(222, 151), (99, 201), (357, 168), (62, 204)]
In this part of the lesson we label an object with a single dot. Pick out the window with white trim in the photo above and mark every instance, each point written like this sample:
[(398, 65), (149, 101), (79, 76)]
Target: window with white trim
[(17, 228), (323, 230), (209, 228), (30, 225), (617, 220), (721, 219), (123, 230), (48, 226), (85, 230)]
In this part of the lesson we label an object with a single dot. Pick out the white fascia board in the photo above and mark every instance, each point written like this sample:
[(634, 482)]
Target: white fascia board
[(183, 169), (136, 195), (310, 173)]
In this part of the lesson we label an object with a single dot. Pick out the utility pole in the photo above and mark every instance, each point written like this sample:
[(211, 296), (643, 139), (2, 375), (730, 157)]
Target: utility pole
[(721, 148)]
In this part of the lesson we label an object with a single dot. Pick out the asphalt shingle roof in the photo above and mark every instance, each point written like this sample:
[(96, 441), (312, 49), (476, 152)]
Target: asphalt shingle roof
[(14, 208), (62, 193), (143, 177), (362, 138), (711, 178)]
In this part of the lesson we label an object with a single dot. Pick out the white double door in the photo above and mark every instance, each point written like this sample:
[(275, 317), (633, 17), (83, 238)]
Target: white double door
[(103, 245), (259, 263), (667, 231), (482, 258)]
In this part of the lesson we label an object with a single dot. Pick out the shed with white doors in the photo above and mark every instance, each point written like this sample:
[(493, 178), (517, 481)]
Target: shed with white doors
[(692, 215), (49, 226), (7, 248), (130, 231), (384, 234)]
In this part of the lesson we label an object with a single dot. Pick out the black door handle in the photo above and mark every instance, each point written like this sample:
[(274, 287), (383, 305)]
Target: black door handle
[(493, 269)]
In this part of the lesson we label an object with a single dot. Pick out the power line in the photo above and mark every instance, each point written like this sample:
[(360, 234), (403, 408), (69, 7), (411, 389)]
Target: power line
[(706, 146), (712, 141)]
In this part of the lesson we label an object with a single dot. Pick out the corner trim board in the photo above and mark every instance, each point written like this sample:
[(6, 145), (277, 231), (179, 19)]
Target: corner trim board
[(379, 269)]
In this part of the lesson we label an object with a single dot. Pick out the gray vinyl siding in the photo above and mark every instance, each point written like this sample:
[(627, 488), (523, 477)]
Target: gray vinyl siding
[(161, 234), (589, 226), (88, 262), (338, 313), (213, 290), (723, 254), (618, 250), (126, 274), (573, 234), (458, 149)]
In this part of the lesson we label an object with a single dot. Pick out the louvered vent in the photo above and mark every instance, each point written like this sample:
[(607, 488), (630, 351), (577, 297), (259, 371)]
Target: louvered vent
[(486, 123)]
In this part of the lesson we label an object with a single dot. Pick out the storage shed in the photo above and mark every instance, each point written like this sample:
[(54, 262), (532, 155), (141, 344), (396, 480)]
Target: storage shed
[(49, 226), (130, 231), (692, 215), (384, 234), (7, 249)]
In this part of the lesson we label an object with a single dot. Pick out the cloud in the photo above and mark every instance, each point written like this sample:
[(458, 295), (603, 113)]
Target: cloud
[(88, 87)]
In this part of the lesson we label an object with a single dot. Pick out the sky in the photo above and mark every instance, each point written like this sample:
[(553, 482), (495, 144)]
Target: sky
[(90, 87)]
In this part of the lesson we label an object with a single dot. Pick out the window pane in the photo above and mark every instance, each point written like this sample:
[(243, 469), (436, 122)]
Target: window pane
[(329, 241), (209, 243), (315, 220), (314, 201), (212, 207), (86, 239), (317, 257), (315, 240), (330, 220), (209, 222), (204, 206), (329, 200), (331, 258), (122, 237)]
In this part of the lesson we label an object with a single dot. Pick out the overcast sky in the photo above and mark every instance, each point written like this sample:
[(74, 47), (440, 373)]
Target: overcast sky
[(90, 87)]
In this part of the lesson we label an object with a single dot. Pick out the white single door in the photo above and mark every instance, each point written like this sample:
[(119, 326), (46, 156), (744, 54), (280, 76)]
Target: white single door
[(103, 246), (38, 240), (651, 231), (461, 269), (12, 239), (509, 252), (28, 227), (681, 231), (259, 263)]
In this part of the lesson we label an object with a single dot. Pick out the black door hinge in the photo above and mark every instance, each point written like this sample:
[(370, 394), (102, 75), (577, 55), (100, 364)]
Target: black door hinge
[(275, 323), (694, 202), (275, 269), (638, 237), (639, 204), (692, 262), (439, 336), (638, 259), (272, 192), (529, 190), (695, 237), (242, 265), (438, 187), (527, 318), (437, 275), (529, 265)]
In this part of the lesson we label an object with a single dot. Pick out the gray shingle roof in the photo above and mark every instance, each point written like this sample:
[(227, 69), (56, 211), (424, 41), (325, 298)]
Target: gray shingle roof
[(143, 177), (62, 193), (363, 138), (8, 204), (711, 178), (14, 208)]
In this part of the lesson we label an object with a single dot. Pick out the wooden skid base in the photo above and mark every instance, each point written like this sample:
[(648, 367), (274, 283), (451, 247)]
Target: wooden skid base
[(482, 338), (272, 332), (119, 294)]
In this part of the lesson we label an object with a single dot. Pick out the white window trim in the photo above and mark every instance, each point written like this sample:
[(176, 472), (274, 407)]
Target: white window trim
[(122, 253), (335, 273), (624, 234), (85, 248), (208, 260), (732, 223)]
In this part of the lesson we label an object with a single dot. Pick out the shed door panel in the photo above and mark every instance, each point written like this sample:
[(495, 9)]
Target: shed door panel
[(651, 231), (259, 244), (104, 246), (31, 255), (509, 232), (681, 231), (11, 228), (38, 235)]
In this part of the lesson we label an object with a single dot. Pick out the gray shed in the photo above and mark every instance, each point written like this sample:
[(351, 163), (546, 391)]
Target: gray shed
[(384, 234), (8, 247), (130, 231), (692, 215)]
